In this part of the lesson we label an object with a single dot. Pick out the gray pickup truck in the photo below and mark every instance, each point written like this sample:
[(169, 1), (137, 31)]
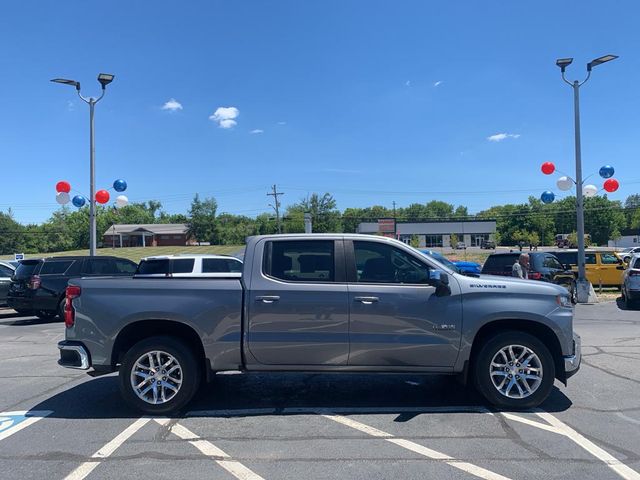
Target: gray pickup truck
[(322, 303)]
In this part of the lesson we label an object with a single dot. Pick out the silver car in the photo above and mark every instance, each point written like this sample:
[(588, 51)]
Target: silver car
[(6, 272), (631, 282)]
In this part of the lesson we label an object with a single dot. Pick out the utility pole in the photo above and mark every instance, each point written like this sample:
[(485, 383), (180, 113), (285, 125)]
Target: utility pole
[(276, 205), (395, 228)]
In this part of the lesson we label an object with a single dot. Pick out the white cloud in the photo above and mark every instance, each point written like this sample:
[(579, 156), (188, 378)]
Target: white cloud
[(282, 123), (438, 83), (407, 83), (498, 137), (225, 116), (172, 105), (71, 106), (256, 131)]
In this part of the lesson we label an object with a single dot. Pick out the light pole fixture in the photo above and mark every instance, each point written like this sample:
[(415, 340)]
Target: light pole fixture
[(582, 284), (104, 79)]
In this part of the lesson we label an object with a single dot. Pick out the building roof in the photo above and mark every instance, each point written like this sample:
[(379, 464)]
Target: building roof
[(155, 228)]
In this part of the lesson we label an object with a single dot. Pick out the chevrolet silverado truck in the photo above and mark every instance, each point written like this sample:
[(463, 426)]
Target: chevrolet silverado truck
[(322, 303)]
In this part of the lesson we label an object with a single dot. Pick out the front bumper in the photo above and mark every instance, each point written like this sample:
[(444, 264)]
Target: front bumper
[(572, 362), (74, 355)]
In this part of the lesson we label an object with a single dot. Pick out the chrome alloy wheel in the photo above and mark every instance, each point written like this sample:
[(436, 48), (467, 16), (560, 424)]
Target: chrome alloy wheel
[(156, 377), (516, 371)]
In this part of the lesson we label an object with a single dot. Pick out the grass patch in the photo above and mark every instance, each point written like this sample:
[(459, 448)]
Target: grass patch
[(136, 253)]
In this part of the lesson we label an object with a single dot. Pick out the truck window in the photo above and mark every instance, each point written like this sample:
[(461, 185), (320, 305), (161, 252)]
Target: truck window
[(301, 261), (184, 265), (55, 267), (608, 258), (101, 266), (590, 259), (381, 263), (123, 266), (154, 267), (220, 265)]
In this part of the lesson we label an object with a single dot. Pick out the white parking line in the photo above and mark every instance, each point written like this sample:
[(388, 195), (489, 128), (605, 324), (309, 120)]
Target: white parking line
[(234, 467), (87, 467), (13, 422), (555, 425), (419, 449)]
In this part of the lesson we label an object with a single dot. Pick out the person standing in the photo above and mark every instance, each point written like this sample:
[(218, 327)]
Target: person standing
[(520, 269)]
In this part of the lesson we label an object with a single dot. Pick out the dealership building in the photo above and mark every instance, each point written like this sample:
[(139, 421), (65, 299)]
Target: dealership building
[(433, 233)]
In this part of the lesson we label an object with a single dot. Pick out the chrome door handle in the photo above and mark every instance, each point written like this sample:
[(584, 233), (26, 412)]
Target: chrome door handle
[(366, 300), (268, 298)]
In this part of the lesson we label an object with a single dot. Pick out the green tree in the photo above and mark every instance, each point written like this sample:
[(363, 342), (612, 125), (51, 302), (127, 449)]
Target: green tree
[(415, 241), (324, 215), (202, 218)]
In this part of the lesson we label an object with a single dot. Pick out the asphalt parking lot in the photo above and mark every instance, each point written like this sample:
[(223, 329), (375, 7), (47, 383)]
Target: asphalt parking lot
[(57, 423)]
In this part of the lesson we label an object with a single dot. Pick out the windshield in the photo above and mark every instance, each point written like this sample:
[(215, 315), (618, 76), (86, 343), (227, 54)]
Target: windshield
[(441, 259)]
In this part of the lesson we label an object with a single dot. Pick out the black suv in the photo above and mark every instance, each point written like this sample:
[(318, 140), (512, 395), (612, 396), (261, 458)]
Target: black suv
[(543, 266), (38, 286)]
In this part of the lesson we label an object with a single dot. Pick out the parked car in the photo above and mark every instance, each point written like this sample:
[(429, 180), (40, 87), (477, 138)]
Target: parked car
[(331, 303), (453, 265), (602, 267), (627, 253), (189, 266), (465, 268), (461, 246), (631, 282), (38, 286), (488, 245), (543, 266), (6, 272)]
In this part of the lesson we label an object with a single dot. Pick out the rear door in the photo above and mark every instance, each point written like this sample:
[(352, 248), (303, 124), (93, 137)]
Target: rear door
[(395, 317), (297, 304)]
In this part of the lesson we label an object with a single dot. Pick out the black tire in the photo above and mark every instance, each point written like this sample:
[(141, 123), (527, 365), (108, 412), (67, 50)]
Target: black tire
[(46, 314), (190, 374), (482, 365)]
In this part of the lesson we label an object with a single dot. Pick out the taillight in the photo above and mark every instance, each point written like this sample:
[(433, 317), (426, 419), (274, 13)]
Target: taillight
[(535, 275), (34, 282), (73, 291)]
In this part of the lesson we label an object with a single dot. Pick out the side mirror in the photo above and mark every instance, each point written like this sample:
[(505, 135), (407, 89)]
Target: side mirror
[(440, 280)]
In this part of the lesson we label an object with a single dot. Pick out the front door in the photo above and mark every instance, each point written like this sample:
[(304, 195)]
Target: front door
[(396, 318), (297, 307)]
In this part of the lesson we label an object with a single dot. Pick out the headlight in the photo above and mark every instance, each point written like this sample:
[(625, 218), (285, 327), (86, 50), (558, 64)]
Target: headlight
[(563, 301)]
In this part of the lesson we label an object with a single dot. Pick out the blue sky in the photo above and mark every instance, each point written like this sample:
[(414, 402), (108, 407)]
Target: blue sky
[(373, 101)]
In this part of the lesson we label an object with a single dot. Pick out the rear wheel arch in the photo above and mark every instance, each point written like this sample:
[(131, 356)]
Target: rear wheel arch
[(143, 329), (542, 332)]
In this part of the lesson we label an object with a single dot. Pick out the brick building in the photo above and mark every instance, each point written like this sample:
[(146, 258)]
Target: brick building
[(148, 235)]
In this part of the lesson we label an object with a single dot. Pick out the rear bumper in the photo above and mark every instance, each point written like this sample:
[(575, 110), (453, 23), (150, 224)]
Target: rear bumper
[(74, 355), (572, 362)]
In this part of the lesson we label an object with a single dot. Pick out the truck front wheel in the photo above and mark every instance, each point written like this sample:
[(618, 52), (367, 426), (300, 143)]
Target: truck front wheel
[(514, 370), (159, 375)]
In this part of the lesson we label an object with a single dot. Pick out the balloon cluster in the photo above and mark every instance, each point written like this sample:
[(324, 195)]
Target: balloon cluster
[(565, 183), (102, 196)]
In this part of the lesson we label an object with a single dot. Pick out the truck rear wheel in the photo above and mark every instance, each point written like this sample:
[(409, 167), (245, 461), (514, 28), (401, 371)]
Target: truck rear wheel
[(159, 375), (514, 370)]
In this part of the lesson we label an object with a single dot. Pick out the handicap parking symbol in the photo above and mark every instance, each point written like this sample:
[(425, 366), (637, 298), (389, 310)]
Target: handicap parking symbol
[(12, 422)]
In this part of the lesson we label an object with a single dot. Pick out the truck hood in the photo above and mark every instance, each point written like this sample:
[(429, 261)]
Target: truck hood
[(495, 283)]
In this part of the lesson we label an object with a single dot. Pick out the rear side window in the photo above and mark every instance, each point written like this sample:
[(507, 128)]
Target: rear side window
[(220, 265), (26, 268), (55, 267), (590, 258), (570, 258), (154, 267), (301, 261), (184, 265), (499, 263)]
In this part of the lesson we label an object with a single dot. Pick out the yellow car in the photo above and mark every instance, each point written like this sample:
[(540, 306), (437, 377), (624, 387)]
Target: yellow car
[(603, 267)]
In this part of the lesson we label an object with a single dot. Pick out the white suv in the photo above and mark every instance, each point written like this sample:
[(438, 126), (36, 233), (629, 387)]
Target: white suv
[(205, 266)]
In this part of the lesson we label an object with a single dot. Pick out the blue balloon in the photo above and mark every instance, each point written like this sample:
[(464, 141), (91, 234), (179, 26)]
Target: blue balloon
[(547, 196), (119, 185), (79, 201), (607, 171)]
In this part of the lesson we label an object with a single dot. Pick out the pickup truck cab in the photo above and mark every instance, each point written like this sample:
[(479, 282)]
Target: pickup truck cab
[(322, 303)]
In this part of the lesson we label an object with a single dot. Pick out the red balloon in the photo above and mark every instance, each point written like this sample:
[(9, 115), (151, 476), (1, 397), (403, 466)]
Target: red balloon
[(102, 196), (548, 168), (63, 187), (611, 185)]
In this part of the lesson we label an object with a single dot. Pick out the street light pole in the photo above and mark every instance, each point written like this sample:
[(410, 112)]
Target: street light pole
[(104, 79), (582, 284)]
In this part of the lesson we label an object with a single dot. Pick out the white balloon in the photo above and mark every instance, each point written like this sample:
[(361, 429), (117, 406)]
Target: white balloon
[(122, 201), (564, 183), (590, 190), (62, 198)]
